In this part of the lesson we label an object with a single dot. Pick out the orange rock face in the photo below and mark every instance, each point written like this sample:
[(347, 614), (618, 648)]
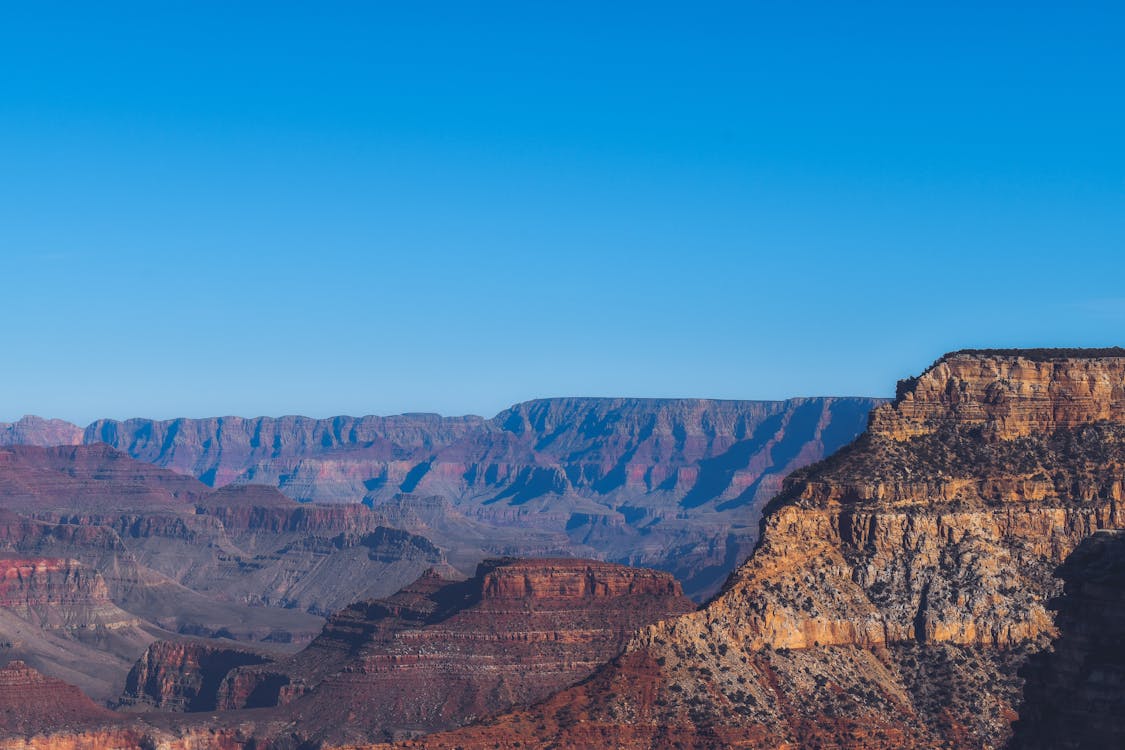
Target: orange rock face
[(897, 589), (1013, 394)]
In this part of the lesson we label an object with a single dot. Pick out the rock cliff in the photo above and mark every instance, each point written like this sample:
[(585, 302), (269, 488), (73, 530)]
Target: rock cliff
[(57, 614), (184, 675), (58, 595), (897, 588), (441, 653)]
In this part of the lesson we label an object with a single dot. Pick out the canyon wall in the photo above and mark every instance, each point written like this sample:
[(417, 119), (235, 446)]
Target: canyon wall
[(898, 588), (676, 484), (436, 654)]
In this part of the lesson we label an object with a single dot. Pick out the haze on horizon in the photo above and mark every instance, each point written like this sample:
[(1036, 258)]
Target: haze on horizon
[(358, 208)]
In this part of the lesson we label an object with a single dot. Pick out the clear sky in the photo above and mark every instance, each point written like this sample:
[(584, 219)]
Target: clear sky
[(270, 208)]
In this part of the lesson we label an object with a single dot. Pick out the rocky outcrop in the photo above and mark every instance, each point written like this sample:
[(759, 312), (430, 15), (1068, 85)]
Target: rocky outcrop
[(1010, 393), (1075, 691), (57, 614), (441, 653), (898, 587), (184, 675), (58, 594)]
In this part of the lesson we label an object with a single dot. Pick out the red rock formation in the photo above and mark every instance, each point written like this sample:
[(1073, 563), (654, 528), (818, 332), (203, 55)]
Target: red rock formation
[(57, 614), (58, 595), (441, 653), (176, 556), (898, 586), (184, 675)]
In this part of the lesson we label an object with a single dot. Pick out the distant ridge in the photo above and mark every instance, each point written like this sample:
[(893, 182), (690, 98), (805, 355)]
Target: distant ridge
[(673, 483)]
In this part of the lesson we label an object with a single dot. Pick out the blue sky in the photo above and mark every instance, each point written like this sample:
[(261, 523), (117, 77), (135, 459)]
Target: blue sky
[(373, 208)]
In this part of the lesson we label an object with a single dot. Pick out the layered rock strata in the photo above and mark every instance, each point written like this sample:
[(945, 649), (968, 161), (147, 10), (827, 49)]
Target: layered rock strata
[(441, 653), (898, 587), (58, 594), (101, 554), (676, 484), (184, 675), (57, 615)]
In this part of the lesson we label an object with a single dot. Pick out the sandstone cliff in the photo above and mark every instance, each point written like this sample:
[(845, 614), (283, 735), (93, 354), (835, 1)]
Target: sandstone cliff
[(897, 588)]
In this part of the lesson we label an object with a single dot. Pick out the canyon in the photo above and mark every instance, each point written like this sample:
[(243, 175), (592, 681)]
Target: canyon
[(441, 653), (899, 588), (675, 484), (437, 654), (952, 578), (102, 554), (174, 533)]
